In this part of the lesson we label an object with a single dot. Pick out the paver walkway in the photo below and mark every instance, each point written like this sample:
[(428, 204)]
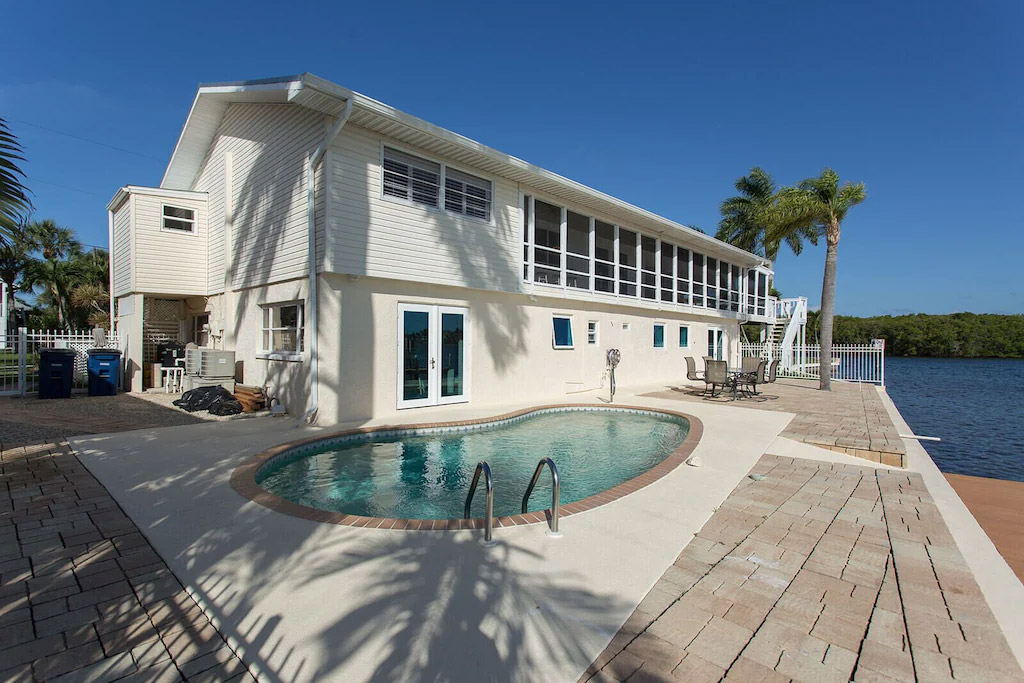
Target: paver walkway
[(850, 419), (818, 572), (83, 596)]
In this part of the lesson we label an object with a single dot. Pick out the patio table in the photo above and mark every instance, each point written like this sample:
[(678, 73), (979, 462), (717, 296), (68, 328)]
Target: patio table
[(734, 374)]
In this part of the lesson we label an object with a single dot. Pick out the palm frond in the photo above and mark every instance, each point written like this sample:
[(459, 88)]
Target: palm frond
[(15, 202)]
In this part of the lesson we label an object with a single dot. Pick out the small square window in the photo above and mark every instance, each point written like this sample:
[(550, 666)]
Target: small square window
[(283, 328), (684, 337), (592, 332), (659, 336), (178, 219), (625, 327), (562, 332)]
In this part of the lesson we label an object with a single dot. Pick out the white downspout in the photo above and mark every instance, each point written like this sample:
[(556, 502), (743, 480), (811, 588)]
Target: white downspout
[(110, 266), (314, 357)]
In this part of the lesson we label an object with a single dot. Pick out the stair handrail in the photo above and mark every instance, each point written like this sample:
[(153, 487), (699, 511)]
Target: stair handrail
[(483, 467), (555, 493)]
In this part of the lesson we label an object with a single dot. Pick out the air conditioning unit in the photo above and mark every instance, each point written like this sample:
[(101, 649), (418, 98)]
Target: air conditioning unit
[(209, 363)]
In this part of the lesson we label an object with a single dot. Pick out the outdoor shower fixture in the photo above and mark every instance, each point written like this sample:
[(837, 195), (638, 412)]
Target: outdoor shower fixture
[(613, 360)]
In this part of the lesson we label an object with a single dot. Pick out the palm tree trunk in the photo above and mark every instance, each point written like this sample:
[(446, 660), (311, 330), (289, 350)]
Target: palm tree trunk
[(828, 307)]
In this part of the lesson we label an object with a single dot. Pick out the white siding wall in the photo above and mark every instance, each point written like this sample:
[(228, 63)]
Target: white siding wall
[(211, 179), (123, 249), (370, 235), (166, 261), (269, 145)]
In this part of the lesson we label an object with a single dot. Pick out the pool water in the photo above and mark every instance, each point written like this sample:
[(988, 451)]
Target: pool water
[(428, 476)]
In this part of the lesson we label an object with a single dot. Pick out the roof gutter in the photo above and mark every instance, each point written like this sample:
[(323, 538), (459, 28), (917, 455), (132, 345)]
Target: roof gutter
[(314, 341)]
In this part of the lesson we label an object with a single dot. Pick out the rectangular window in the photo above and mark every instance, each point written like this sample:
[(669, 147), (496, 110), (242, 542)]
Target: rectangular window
[(526, 237), (723, 283), (648, 267), (659, 336), (467, 194), (179, 219), (734, 289), (698, 279), (561, 332), (592, 332), (411, 178), (547, 243), (627, 262), (283, 328), (762, 292), (711, 294), (577, 248), (684, 337), (604, 257), (682, 276), (668, 258)]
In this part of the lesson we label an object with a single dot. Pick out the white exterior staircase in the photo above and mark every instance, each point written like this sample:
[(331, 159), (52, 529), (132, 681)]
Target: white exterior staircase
[(788, 332)]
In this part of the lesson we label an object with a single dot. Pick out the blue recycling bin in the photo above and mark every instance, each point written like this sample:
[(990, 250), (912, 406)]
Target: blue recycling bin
[(104, 371), (56, 370)]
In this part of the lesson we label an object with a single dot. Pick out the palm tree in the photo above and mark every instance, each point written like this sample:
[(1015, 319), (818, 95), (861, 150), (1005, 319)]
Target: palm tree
[(14, 196), (821, 204), (751, 220), (53, 241), (60, 269), (15, 257)]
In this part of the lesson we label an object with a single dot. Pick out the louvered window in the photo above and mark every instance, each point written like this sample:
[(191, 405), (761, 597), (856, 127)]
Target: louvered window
[(467, 194), (411, 178)]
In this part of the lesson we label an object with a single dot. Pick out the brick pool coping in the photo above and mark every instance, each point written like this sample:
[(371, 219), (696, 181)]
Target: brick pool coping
[(243, 478)]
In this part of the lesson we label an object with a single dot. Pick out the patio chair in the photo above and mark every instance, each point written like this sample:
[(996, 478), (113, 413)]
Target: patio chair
[(773, 369), (691, 370), (752, 379), (749, 364), (716, 375)]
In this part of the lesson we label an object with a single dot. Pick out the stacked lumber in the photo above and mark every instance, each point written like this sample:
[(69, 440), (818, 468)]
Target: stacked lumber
[(252, 398)]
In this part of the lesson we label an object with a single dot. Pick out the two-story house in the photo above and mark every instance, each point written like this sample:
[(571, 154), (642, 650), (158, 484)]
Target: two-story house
[(361, 261)]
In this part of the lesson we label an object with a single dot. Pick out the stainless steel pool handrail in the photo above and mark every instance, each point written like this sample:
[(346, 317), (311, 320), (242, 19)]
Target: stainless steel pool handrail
[(555, 493), (482, 466)]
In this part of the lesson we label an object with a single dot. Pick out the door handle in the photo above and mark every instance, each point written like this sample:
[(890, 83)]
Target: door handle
[(431, 363)]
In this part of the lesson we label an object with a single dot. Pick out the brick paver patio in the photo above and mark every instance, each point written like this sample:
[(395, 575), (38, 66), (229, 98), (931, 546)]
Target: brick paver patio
[(817, 572), (83, 596), (850, 419)]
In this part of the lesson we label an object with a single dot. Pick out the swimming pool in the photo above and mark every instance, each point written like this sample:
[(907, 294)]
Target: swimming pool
[(424, 473)]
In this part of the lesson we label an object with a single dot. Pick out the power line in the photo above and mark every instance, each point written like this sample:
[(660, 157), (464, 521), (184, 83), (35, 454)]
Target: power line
[(79, 137), (63, 187)]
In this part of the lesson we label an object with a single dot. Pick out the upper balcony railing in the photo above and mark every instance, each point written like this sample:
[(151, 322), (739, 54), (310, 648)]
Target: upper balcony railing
[(791, 308)]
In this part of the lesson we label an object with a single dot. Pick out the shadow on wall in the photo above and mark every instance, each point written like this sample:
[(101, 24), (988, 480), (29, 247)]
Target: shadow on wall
[(478, 252), (504, 326), (433, 606), (267, 201)]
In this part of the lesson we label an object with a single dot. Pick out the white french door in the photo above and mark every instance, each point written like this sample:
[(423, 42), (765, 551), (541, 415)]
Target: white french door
[(433, 355), (717, 343)]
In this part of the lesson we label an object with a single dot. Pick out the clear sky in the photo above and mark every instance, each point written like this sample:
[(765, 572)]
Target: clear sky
[(663, 105)]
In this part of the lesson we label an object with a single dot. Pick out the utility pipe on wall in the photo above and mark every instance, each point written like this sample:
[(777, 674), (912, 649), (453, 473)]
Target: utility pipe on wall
[(110, 266), (311, 166)]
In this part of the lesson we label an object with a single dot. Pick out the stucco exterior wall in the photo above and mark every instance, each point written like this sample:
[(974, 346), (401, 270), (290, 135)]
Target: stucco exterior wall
[(511, 357)]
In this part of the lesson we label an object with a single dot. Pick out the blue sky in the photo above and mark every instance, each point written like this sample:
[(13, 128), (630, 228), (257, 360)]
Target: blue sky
[(661, 105)]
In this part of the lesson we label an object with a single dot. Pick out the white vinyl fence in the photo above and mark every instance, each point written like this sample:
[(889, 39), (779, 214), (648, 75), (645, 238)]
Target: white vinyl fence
[(19, 357), (850, 362)]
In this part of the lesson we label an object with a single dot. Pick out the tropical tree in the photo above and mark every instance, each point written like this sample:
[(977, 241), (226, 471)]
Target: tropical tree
[(60, 269), (15, 257), (14, 196), (90, 299), (53, 241), (752, 220), (820, 204)]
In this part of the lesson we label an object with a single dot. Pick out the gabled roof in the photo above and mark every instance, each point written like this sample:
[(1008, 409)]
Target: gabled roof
[(329, 98)]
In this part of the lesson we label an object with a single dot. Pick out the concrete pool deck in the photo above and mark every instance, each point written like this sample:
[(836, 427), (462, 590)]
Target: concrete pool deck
[(300, 600), (304, 601)]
